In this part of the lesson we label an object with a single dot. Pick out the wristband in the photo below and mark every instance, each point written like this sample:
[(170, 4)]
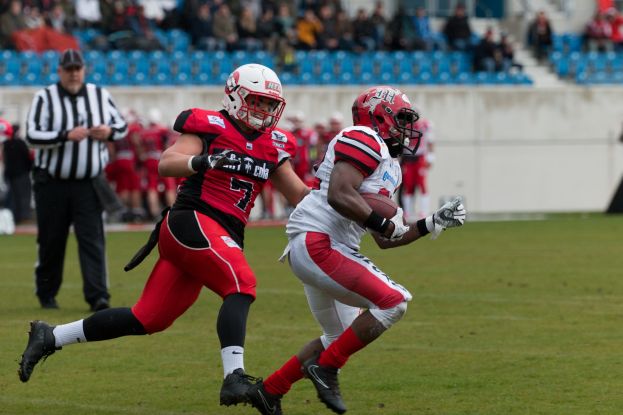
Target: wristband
[(376, 222), (190, 164), (421, 227), (430, 222)]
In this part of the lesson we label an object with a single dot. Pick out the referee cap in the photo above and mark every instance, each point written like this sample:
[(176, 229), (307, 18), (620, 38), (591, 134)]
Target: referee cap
[(71, 58)]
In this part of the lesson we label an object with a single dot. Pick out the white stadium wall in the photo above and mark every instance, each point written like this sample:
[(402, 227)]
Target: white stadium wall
[(505, 149)]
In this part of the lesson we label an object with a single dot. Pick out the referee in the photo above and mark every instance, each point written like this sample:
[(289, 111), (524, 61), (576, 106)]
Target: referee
[(68, 125)]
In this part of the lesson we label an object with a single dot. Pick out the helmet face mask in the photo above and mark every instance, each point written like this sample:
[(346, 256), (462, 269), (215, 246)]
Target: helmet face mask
[(253, 96), (388, 112)]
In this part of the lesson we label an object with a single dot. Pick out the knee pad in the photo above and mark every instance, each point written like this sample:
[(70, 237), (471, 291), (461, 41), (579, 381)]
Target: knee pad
[(389, 316)]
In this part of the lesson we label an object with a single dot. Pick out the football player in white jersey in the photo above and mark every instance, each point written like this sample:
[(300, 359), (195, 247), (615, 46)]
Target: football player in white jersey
[(324, 232)]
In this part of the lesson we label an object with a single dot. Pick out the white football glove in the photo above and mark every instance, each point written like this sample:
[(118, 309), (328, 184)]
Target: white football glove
[(399, 225), (450, 215), (212, 161)]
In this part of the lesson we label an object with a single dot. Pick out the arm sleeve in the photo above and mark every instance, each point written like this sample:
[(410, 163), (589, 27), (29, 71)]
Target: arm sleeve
[(359, 149), (39, 131), (117, 123)]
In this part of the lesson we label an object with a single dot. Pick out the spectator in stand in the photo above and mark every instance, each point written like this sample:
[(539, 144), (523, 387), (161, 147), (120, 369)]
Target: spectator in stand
[(402, 33), (10, 22), (363, 31), (616, 20), (345, 31), (378, 20), (225, 27), (267, 30), (540, 35), (117, 26), (329, 38), (285, 24), (483, 59), (308, 28), (247, 30), (17, 166), (144, 30), (58, 20), (423, 32), (599, 34), (33, 17), (201, 33), (507, 53), (89, 13), (457, 29)]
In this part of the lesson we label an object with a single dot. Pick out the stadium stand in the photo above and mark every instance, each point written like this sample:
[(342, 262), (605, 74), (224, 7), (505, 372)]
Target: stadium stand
[(180, 64)]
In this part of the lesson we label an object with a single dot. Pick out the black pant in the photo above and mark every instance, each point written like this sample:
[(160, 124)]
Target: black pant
[(59, 204)]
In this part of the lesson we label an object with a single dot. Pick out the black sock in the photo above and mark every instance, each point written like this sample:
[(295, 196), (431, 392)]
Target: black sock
[(231, 324), (112, 323)]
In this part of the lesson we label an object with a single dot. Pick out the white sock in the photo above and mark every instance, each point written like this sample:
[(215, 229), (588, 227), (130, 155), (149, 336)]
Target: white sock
[(424, 205), (233, 358), (407, 205), (69, 333)]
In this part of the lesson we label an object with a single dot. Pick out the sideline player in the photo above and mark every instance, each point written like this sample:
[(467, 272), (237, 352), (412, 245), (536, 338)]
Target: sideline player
[(227, 157), (324, 234), (415, 166)]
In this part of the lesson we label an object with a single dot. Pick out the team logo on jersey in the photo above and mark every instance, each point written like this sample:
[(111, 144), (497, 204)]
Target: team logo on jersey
[(388, 177), (249, 166), (279, 145), (249, 146), (277, 136), (216, 120)]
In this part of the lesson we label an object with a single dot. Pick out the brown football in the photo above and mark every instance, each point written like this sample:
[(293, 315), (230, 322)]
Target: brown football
[(381, 204)]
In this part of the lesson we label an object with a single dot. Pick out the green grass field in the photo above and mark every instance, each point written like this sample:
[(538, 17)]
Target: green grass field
[(507, 318)]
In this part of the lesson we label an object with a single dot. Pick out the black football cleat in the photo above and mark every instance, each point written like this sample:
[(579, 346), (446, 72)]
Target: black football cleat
[(40, 345), (266, 403), (235, 387), (324, 379)]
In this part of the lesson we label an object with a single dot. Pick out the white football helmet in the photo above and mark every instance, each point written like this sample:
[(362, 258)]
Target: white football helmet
[(254, 80)]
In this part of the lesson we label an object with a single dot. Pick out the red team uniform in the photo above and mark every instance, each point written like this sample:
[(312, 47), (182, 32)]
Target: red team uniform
[(415, 170), (220, 200), (154, 139), (122, 169)]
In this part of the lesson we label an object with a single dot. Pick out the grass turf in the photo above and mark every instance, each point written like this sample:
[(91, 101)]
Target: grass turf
[(507, 318)]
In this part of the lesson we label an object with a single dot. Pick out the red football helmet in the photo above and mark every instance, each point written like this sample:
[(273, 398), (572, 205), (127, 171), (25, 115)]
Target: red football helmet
[(388, 112)]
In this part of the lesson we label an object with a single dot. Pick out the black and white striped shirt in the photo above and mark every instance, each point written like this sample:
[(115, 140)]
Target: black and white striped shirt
[(55, 112)]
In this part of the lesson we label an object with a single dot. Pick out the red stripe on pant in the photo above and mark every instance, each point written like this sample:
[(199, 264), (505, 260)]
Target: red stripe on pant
[(350, 274)]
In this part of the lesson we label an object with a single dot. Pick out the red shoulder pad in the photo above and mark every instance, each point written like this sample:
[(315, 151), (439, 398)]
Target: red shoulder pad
[(360, 149), (200, 121)]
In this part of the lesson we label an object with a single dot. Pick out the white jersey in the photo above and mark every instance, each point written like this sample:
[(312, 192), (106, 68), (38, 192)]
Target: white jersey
[(364, 149)]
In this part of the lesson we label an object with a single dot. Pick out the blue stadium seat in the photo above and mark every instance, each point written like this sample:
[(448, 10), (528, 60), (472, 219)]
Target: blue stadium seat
[(8, 79), (182, 78), (7, 54), (178, 40), (11, 65), (92, 56)]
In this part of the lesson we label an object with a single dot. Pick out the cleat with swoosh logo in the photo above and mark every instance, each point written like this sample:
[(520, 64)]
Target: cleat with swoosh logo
[(266, 403), (324, 379)]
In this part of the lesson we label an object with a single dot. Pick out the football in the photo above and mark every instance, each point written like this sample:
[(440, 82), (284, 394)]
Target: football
[(381, 204)]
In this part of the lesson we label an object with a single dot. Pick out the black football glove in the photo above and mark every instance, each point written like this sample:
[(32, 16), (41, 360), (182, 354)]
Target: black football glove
[(213, 161)]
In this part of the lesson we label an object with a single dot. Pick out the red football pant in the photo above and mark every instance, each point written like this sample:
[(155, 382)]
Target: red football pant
[(181, 271)]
